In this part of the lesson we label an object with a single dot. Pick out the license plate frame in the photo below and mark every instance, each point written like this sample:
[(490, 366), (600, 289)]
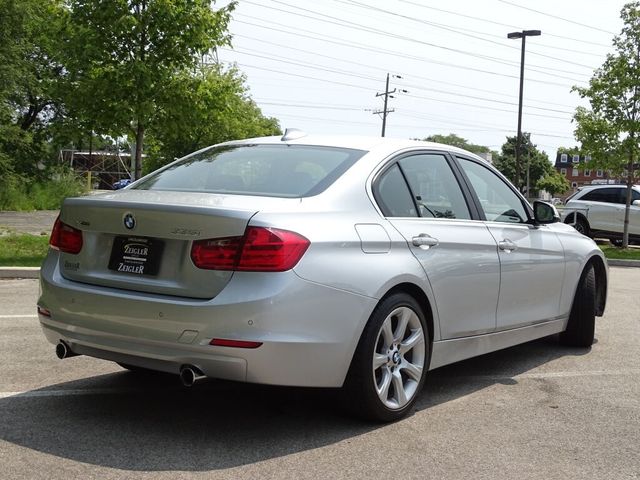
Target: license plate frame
[(136, 255)]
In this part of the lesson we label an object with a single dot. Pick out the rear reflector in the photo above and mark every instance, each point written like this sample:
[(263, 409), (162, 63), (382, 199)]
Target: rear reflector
[(223, 342), (43, 311), (65, 238), (259, 250)]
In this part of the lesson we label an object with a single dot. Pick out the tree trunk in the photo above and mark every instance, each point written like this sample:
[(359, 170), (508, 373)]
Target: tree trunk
[(627, 208), (138, 159)]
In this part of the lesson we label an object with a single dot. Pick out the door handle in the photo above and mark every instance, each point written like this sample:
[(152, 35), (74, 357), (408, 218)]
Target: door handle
[(507, 245), (424, 241)]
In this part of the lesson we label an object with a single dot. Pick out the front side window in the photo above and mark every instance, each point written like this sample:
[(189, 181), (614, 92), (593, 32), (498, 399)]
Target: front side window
[(604, 195), (498, 201), (263, 170)]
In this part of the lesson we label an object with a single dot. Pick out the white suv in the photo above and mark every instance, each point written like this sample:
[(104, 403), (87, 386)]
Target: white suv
[(598, 211)]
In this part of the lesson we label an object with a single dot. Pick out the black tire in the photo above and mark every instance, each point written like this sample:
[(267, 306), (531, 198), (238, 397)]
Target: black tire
[(582, 319), (398, 372), (581, 225)]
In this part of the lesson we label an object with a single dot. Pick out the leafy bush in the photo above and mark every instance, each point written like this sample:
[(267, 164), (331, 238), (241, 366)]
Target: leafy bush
[(19, 193)]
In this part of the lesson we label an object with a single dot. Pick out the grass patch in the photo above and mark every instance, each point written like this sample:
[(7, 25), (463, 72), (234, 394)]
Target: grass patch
[(23, 250), (619, 253)]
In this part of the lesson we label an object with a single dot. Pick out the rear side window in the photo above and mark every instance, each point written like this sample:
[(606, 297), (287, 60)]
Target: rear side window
[(264, 170), (393, 195)]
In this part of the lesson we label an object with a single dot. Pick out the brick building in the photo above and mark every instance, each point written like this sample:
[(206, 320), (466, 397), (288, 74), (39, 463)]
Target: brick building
[(575, 168)]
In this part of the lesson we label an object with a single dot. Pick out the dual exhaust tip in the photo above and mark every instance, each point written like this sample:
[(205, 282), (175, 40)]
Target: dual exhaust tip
[(189, 374)]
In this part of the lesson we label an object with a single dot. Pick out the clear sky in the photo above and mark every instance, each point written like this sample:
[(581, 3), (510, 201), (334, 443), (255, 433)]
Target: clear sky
[(318, 65)]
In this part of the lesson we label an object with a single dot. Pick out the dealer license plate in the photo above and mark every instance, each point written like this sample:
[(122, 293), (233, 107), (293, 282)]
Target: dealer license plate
[(136, 255)]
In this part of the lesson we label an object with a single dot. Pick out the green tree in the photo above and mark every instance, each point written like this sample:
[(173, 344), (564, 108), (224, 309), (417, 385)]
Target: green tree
[(205, 107), (457, 141), (125, 56), (539, 165), (554, 183), (30, 80), (609, 131)]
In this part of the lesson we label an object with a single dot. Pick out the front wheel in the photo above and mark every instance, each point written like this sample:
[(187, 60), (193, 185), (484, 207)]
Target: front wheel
[(581, 225), (391, 360), (582, 319)]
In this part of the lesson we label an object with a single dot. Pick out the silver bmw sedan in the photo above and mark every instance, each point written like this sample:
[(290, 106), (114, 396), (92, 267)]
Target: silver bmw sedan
[(349, 262)]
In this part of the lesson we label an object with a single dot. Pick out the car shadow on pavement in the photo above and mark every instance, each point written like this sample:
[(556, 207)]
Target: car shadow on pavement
[(144, 422)]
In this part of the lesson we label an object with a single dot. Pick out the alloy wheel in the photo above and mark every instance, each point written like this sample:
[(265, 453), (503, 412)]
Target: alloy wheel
[(399, 358)]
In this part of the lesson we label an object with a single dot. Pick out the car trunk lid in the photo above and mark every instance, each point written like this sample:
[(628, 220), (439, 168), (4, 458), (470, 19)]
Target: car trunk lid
[(141, 240)]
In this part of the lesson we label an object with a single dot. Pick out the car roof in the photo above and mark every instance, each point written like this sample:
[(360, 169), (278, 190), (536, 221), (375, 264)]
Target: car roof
[(368, 143)]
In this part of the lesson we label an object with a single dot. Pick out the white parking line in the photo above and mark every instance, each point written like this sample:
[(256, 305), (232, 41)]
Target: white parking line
[(18, 316)]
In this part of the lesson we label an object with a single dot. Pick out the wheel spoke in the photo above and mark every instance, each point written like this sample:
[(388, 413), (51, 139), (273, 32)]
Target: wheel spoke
[(398, 387), (413, 371), (378, 360), (405, 315), (383, 388), (387, 333), (414, 339)]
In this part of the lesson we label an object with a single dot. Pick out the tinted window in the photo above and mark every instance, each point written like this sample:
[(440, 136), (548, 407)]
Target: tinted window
[(393, 195), (266, 170), (435, 188), (606, 195), (498, 201)]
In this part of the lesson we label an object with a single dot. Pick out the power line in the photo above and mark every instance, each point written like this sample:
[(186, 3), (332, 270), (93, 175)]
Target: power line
[(356, 26), (516, 27), (418, 77), (397, 54), (458, 31), (413, 96), (557, 17), (414, 86)]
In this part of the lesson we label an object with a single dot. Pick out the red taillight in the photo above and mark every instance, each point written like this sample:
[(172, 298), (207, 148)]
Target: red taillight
[(216, 253), (43, 311), (65, 238), (259, 250), (223, 342)]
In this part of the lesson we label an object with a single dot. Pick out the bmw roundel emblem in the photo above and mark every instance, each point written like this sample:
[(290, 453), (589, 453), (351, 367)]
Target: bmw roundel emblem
[(129, 221)]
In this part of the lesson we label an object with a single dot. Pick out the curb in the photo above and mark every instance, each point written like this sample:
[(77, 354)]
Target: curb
[(623, 263), (19, 272)]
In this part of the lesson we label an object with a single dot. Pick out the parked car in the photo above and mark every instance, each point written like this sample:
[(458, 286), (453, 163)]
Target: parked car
[(598, 211), (299, 260), (121, 183)]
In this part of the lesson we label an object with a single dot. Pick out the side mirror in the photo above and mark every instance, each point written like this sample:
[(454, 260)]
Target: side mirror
[(544, 213)]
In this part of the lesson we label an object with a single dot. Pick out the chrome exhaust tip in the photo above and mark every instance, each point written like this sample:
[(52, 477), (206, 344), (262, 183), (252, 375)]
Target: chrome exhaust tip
[(63, 351), (190, 375)]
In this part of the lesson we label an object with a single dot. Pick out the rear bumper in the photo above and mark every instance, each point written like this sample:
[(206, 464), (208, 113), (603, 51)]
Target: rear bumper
[(308, 331)]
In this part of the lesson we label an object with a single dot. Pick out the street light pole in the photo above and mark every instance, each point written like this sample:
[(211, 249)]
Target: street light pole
[(523, 35)]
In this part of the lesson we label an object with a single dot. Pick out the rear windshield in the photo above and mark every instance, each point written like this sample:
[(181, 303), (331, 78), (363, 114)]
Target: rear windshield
[(265, 170)]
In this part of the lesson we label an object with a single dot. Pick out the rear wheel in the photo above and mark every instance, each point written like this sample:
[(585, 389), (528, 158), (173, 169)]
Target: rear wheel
[(582, 319), (390, 363)]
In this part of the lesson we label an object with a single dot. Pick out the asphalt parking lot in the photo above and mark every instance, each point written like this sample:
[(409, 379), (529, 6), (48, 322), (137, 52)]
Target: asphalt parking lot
[(536, 411)]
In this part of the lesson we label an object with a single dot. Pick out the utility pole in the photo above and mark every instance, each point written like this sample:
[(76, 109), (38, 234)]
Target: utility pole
[(385, 111), (523, 35)]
